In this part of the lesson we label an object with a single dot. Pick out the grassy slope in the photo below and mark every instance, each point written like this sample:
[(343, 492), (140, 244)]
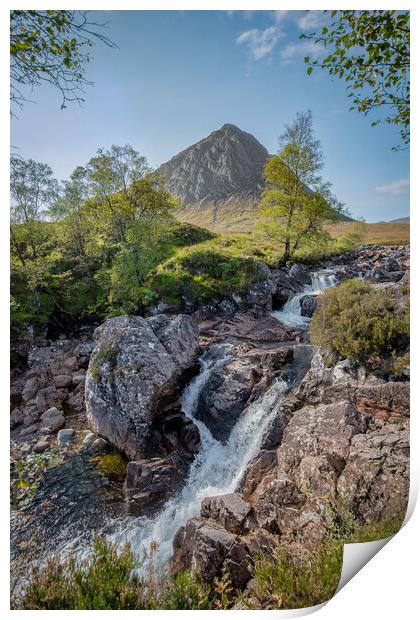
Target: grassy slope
[(230, 222)]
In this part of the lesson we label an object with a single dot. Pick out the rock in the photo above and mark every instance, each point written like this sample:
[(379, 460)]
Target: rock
[(99, 445), (28, 430), (390, 264), (16, 418), (78, 378), (307, 305), (135, 366), (62, 381), (232, 386), (149, 483), (208, 550), (229, 510), (263, 466), (387, 401), (65, 436), (375, 480), (71, 363), (50, 397), (316, 444), (30, 389), (261, 329), (89, 439), (41, 446), (378, 275), (53, 418), (300, 274)]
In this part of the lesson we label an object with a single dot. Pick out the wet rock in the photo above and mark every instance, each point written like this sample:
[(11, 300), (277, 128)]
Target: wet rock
[(150, 482), (263, 466), (135, 365), (300, 274), (239, 381), (378, 275), (307, 305)]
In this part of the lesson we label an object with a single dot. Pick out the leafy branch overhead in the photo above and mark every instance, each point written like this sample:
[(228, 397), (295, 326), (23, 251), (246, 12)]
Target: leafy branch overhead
[(370, 51), (52, 47)]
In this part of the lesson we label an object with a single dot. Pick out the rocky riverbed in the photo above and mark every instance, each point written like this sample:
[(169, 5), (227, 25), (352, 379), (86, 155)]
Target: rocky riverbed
[(236, 436)]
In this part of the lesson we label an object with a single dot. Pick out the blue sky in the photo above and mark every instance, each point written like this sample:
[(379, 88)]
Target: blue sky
[(177, 76)]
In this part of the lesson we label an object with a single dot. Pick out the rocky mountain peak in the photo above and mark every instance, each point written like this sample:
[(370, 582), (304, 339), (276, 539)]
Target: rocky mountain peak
[(227, 163)]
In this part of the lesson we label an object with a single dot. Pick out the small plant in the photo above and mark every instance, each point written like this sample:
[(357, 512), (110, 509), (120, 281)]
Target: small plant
[(340, 520), (224, 591), (26, 474)]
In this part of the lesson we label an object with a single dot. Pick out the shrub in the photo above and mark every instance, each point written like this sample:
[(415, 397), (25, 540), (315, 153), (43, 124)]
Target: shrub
[(295, 581), (361, 323), (112, 465)]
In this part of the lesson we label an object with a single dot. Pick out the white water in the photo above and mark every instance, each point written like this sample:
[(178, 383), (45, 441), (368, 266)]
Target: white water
[(290, 314), (216, 470)]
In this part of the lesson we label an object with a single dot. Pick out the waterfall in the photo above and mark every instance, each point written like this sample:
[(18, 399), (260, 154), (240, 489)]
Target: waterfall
[(216, 470), (290, 314)]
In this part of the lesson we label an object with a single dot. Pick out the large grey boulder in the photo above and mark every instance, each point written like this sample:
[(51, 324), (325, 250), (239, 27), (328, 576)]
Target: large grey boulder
[(135, 365)]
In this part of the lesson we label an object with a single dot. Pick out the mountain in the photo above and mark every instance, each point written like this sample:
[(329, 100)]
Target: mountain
[(400, 220), (219, 180)]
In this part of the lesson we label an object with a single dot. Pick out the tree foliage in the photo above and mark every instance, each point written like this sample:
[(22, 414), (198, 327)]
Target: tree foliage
[(370, 51), (296, 201), (52, 47)]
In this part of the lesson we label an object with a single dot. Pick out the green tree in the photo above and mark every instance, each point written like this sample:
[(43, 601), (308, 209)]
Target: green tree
[(296, 201), (370, 50), (51, 47)]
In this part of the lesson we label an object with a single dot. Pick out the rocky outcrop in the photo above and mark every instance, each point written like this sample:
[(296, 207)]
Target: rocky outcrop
[(135, 366)]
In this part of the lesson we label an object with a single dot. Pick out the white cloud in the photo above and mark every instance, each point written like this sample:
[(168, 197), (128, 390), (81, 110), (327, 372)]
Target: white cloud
[(311, 19), (279, 16), (293, 51), (396, 188), (260, 43)]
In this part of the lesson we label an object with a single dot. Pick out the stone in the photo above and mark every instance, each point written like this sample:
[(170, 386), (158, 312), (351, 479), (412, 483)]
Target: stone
[(99, 445), (300, 274), (89, 439), (375, 481), (49, 397), (71, 363), (229, 510), (28, 430), (307, 305), (53, 418), (62, 381), (65, 436), (232, 386), (41, 446), (378, 275), (316, 444), (78, 378), (136, 364)]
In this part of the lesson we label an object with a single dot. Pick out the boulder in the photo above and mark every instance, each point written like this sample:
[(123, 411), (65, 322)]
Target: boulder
[(53, 418), (300, 274), (229, 510), (137, 364), (307, 305), (377, 275), (62, 381), (232, 386), (65, 436)]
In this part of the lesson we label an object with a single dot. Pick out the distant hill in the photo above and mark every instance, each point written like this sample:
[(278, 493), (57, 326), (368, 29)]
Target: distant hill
[(400, 220), (219, 180)]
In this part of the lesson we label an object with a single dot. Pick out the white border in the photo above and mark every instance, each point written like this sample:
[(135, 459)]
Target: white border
[(387, 586)]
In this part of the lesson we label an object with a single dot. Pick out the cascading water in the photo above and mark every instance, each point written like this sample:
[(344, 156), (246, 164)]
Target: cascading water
[(290, 314), (216, 470)]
